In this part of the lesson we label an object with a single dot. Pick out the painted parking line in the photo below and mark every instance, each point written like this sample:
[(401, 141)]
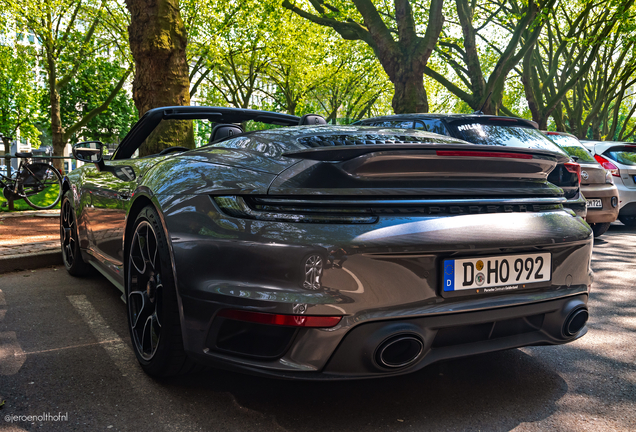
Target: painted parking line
[(117, 350), (12, 357), (124, 358)]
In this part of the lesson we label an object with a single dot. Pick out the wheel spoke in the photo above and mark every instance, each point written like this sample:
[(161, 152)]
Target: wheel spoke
[(69, 255), (133, 258), (158, 303), (145, 335), (154, 332), (65, 213), (151, 242), (135, 298)]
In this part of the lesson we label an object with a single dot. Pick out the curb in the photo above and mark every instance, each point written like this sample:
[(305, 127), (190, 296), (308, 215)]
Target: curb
[(36, 213), (31, 261)]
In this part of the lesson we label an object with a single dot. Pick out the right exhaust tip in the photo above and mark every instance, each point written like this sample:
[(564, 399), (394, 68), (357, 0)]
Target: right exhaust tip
[(399, 351), (575, 321)]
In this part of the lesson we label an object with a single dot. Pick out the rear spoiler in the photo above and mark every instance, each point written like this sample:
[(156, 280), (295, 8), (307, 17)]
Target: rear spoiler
[(344, 153)]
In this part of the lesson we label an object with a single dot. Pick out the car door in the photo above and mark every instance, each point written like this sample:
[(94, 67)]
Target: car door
[(109, 193)]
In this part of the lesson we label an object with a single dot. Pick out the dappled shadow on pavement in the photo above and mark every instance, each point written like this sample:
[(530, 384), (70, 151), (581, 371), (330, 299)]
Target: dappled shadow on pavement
[(600, 368), (487, 392), (589, 384)]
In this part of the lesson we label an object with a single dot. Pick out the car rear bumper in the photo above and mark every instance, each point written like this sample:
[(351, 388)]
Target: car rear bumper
[(626, 196), (578, 205), (355, 351), (389, 272), (604, 192)]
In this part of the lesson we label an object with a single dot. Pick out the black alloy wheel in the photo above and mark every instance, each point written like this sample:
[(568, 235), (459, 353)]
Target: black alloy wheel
[(153, 315), (71, 254), (144, 297)]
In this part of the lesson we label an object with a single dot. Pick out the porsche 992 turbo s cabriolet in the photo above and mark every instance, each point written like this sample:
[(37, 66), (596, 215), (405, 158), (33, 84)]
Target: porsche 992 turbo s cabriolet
[(314, 251)]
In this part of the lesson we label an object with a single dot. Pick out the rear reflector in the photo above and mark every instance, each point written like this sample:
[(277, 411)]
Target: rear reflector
[(608, 165), (574, 168), (281, 320), (483, 154)]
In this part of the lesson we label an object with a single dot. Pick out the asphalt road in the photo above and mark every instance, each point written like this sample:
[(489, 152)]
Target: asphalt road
[(64, 348)]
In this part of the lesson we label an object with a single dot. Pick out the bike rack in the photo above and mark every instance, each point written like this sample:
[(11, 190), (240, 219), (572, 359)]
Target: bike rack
[(7, 159)]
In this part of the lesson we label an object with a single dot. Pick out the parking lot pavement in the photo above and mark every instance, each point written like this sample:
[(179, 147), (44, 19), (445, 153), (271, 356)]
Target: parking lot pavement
[(64, 348)]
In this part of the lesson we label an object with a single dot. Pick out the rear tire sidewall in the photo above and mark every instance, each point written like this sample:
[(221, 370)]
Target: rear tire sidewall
[(159, 364), (629, 221), (79, 266), (600, 228), (59, 196)]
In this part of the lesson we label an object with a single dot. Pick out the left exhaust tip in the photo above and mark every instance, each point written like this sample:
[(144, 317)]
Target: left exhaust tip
[(399, 351)]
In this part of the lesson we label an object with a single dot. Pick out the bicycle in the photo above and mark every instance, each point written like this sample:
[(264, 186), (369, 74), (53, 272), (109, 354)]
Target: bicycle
[(37, 183)]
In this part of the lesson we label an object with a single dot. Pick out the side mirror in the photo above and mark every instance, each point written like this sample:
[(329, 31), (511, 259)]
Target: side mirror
[(90, 152)]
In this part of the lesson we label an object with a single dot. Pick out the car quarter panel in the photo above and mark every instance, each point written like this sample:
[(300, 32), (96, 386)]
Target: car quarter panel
[(191, 175)]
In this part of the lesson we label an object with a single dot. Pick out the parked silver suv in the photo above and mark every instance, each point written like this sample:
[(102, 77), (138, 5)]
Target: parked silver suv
[(619, 158)]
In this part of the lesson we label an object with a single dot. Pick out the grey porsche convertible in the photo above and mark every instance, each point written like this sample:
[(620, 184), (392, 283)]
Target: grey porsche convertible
[(298, 249)]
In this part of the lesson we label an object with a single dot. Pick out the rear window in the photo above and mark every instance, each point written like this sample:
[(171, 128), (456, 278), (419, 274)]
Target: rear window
[(504, 135), (623, 154), (573, 147)]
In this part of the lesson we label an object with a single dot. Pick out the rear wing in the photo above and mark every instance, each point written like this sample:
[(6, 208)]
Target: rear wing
[(348, 152)]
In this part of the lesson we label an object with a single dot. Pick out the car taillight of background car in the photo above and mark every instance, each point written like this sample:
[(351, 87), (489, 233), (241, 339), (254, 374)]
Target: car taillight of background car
[(610, 167)]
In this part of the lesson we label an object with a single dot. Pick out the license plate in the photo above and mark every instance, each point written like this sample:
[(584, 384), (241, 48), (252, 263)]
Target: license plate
[(497, 273), (594, 203)]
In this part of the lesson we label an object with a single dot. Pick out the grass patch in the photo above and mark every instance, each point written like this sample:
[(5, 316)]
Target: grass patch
[(43, 197)]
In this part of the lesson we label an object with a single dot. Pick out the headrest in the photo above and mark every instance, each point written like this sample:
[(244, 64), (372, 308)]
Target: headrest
[(224, 131), (312, 119)]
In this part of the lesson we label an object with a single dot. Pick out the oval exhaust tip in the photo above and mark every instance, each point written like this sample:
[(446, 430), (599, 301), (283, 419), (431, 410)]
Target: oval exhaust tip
[(399, 351), (575, 322)]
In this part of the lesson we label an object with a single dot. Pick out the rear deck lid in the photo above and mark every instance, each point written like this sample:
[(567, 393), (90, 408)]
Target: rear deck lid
[(375, 161)]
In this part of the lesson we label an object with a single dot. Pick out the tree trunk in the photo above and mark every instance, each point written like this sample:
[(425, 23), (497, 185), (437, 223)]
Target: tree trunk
[(557, 115), (410, 95), (57, 131), (403, 60), (158, 43)]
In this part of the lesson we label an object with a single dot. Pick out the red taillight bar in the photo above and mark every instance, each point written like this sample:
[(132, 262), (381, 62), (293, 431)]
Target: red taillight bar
[(574, 168), (483, 154), (608, 165), (281, 320)]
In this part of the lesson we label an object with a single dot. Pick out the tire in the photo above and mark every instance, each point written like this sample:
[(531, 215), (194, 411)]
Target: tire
[(151, 300), (69, 239), (600, 228), (629, 221), (41, 175)]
